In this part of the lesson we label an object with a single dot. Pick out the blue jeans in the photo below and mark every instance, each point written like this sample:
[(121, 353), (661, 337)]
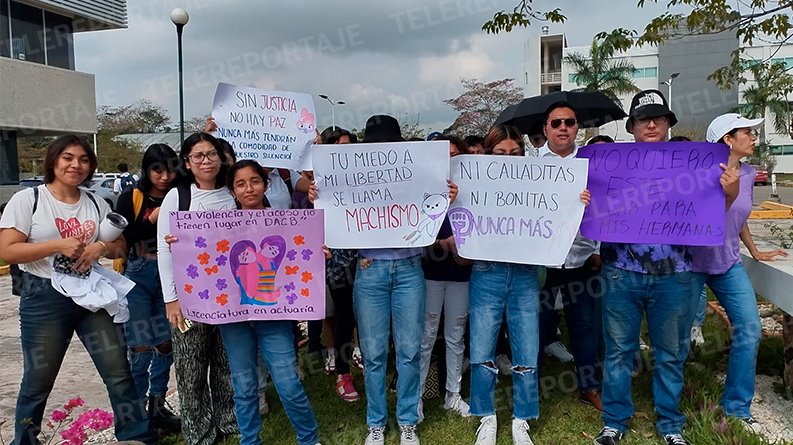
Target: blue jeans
[(148, 332), (734, 291), (702, 303), (389, 295), (669, 304), (275, 340), (48, 320), (496, 288)]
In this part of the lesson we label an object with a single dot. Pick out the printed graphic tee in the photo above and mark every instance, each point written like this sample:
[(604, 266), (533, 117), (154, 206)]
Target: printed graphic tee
[(53, 220)]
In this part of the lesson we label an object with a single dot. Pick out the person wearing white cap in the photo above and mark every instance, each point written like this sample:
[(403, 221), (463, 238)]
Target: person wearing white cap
[(721, 269)]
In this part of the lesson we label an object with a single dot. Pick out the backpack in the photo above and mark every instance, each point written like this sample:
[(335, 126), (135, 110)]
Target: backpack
[(16, 272), (127, 183), (137, 204)]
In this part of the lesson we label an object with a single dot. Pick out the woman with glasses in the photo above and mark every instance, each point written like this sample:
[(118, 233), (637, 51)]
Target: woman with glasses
[(498, 290), (202, 368)]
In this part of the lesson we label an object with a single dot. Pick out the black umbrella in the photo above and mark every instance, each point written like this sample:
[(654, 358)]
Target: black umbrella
[(593, 108)]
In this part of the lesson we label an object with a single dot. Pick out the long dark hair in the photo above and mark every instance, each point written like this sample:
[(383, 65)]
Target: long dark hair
[(187, 176), (158, 157), (500, 133), (57, 147), (257, 168)]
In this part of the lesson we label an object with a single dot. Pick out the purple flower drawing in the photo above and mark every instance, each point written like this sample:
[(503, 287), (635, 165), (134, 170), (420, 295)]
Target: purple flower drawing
[(306, 254), (204, 294), (221, 284), (291, 254), (290, 287), (221, 260), (201, 242), (192, 271), (291, 298)]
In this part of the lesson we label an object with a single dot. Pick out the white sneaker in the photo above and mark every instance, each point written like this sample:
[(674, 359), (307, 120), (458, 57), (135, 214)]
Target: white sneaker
[(520, 432), (558, 351), (642, 345), (486, 433), (330, 362), (453, 402), (504, 365), (696, 336), (376, 436), (357, 358), (408, 435)]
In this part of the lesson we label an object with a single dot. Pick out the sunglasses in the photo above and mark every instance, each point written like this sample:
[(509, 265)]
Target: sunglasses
[(569, 122)]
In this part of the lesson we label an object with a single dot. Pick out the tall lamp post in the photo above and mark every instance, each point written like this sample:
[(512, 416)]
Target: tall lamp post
[(332, 108), (179, 17), (668, 83)]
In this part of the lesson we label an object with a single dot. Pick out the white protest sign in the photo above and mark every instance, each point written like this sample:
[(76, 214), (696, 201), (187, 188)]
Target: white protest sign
[(389, 194), (274, 128), (517, 209)]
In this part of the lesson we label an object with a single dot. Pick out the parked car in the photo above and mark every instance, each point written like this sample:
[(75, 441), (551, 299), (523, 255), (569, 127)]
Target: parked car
[(103, 188), (32, 182), (761, 178)]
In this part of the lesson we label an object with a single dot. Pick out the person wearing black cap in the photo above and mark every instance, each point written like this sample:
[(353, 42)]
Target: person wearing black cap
[(655, 280), (389, 290)]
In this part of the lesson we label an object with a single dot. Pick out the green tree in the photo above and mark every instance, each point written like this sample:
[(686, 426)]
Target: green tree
[(767, 97), (598, 71), (480, 104), (139, 117), (767, 19)]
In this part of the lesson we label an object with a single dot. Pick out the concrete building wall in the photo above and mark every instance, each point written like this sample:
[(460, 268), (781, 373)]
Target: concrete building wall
[(38, 99), (90, 15), (695, 99)]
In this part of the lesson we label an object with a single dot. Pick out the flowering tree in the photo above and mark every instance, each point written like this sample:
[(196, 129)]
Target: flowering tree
[(480, 105)]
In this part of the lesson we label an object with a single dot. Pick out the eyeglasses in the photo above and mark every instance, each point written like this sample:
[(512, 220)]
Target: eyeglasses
[(197, 158), (568, 122), (657, 120)]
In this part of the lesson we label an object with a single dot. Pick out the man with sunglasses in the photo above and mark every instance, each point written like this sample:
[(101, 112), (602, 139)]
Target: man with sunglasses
[(649, 279), (575, 281)]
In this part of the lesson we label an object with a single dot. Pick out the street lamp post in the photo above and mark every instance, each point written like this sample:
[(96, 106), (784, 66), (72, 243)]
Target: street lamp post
[(332, 108), (668, 83), (179, 17)]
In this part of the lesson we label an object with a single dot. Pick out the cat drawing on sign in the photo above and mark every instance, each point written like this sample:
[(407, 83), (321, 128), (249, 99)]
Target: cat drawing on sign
[(433, 208), (255, 270), (306, 121)]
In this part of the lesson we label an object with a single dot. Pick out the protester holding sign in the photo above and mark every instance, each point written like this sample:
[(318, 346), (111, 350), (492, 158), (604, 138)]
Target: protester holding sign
[(576, 280), (496, 289), (147, 332), (202, 368), (720, 267), (389, 289), (655, 279), (274, 338)]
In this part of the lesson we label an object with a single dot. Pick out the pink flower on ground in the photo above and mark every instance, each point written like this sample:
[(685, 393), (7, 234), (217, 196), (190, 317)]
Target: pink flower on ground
[(58, 416), (73, 403)]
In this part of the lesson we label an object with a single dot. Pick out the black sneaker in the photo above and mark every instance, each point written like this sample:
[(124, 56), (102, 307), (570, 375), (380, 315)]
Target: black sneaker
[(675, 439), (163, 420), (608, 436)]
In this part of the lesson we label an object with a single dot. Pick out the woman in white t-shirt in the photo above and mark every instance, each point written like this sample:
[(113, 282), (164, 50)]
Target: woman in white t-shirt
[(58, 222), (202, 367)]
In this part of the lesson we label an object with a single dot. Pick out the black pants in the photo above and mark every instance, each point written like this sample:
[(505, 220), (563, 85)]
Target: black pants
[(343, 326)]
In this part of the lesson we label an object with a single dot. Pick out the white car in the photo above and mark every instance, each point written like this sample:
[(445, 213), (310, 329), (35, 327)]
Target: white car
[(102, 187)]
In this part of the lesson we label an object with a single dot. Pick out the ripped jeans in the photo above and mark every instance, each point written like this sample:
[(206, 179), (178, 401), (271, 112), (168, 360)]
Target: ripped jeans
[(496, 290), (451, 297)]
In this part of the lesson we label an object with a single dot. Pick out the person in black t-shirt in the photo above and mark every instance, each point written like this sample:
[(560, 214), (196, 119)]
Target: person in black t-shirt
[(148, 332)]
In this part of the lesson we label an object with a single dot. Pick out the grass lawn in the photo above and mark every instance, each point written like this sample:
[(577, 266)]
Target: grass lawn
[(564, 420)]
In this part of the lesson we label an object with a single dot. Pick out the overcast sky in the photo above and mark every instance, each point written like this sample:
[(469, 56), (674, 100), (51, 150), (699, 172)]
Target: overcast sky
[(399, 57)]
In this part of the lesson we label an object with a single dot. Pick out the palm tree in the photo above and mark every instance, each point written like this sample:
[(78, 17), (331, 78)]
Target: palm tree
[(769, 93), (598, 71)]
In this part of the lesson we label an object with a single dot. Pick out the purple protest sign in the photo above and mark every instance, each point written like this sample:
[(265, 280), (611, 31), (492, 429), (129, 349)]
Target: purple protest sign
[(655, 193), (240, 265)]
